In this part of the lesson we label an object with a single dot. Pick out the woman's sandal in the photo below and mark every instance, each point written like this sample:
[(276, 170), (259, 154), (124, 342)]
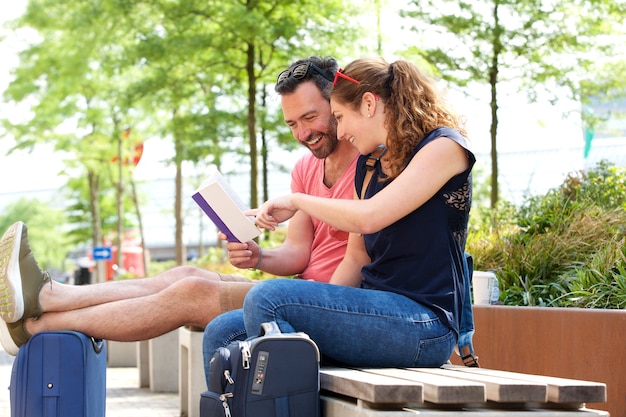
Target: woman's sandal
[(468, 358)]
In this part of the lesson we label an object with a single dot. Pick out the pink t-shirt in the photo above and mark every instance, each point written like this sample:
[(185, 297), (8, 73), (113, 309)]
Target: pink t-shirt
[(329, 243)]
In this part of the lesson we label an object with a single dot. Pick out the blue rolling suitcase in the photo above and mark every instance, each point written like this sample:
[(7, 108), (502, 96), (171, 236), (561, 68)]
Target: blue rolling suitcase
[(59, 374)]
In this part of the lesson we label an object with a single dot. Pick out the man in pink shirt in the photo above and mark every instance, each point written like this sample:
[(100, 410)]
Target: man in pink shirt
[(141, 309)]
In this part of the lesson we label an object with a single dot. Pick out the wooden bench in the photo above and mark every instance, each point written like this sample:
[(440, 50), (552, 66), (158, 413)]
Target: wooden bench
[(453, 390)]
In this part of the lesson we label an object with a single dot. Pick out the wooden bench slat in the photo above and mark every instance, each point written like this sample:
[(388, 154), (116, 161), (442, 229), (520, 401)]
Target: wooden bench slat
[(439, 389), (498, 388), (336, 407), (560, 390), (452, 391), (371, 387)]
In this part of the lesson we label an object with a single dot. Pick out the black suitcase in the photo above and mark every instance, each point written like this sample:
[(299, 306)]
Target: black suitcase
[(59, 374), (272, 375)]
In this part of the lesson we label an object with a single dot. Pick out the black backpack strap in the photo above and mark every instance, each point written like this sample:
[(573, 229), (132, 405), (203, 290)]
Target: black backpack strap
[(370, 164)]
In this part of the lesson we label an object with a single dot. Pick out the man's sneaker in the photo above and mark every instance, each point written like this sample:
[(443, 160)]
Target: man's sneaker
[(21, 279), (12, 336), (11, 302)]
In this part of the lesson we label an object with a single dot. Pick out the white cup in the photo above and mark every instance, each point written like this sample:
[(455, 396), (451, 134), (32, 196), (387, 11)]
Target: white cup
[(482, 286)]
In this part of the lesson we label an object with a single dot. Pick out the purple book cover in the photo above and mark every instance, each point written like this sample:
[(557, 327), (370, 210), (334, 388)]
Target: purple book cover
[(214, 217), (219, 201)]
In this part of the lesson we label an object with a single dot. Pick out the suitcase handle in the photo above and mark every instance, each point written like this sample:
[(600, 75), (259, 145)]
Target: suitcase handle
[(270, 327), (98, 344)]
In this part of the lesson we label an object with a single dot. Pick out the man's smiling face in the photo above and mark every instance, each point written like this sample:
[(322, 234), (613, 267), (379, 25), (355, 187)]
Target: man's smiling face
[(307, 113)]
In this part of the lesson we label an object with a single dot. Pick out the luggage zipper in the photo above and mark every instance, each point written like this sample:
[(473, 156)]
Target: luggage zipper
[(228, 377), (224, 398), (245, 355)]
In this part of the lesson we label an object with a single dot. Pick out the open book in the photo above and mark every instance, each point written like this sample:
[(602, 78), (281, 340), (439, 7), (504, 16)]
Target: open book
[(225, 209)]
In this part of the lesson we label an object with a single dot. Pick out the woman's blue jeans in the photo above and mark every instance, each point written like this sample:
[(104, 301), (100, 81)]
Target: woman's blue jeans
[(352, 326)]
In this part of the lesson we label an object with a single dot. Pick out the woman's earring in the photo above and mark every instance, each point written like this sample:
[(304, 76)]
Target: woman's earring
[(368, 114)]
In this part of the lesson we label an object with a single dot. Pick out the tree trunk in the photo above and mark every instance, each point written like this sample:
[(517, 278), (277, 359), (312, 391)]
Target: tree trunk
[(493, 82), (254, 193), (96, 224), (120, 198), (178, 208), (144, 252)]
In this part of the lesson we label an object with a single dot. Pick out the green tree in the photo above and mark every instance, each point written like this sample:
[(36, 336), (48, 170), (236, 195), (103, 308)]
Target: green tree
[(199, 61), (253, 40), (45, 230), (72, 76), (190, 72), (538, 43)]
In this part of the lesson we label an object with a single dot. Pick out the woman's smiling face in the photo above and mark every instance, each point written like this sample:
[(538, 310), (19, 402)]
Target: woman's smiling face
[(357, 126), (349, 124)]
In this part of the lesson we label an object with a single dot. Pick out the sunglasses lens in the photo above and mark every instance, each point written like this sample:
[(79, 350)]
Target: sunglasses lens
[(282, 76), (300, 71)]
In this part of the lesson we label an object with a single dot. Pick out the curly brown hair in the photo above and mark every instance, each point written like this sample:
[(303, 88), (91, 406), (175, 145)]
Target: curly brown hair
[(414, 105)]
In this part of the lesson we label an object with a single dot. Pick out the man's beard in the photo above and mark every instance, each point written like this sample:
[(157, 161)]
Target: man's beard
[(329, 140), (329, 145)]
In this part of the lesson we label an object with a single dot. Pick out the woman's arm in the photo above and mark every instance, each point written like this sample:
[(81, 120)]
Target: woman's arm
[(348, 272), (429, 170)]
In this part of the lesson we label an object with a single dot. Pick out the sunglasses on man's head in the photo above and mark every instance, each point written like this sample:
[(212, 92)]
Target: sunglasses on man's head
[(300, 71), (339, 74)]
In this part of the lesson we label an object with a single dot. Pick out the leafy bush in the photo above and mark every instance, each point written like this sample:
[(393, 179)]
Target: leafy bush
[(566, 248), (216, 259)]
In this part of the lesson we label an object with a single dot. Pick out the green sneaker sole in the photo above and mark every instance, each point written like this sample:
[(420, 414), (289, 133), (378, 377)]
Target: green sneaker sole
[(11, 300)]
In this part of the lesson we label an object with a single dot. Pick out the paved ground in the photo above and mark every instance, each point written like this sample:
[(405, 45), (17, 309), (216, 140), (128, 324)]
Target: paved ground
[(124, 398)]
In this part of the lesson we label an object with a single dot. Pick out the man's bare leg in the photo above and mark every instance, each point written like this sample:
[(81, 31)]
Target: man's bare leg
[(62, 297), (192, 301), (121, 310)]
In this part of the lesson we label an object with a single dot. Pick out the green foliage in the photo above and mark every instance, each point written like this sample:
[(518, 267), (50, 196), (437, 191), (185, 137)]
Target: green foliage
[(78, 211), (603, 185), (190, 72), (566, 248), (575, 45), (45, 230), (216, 259), (601, 283)]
